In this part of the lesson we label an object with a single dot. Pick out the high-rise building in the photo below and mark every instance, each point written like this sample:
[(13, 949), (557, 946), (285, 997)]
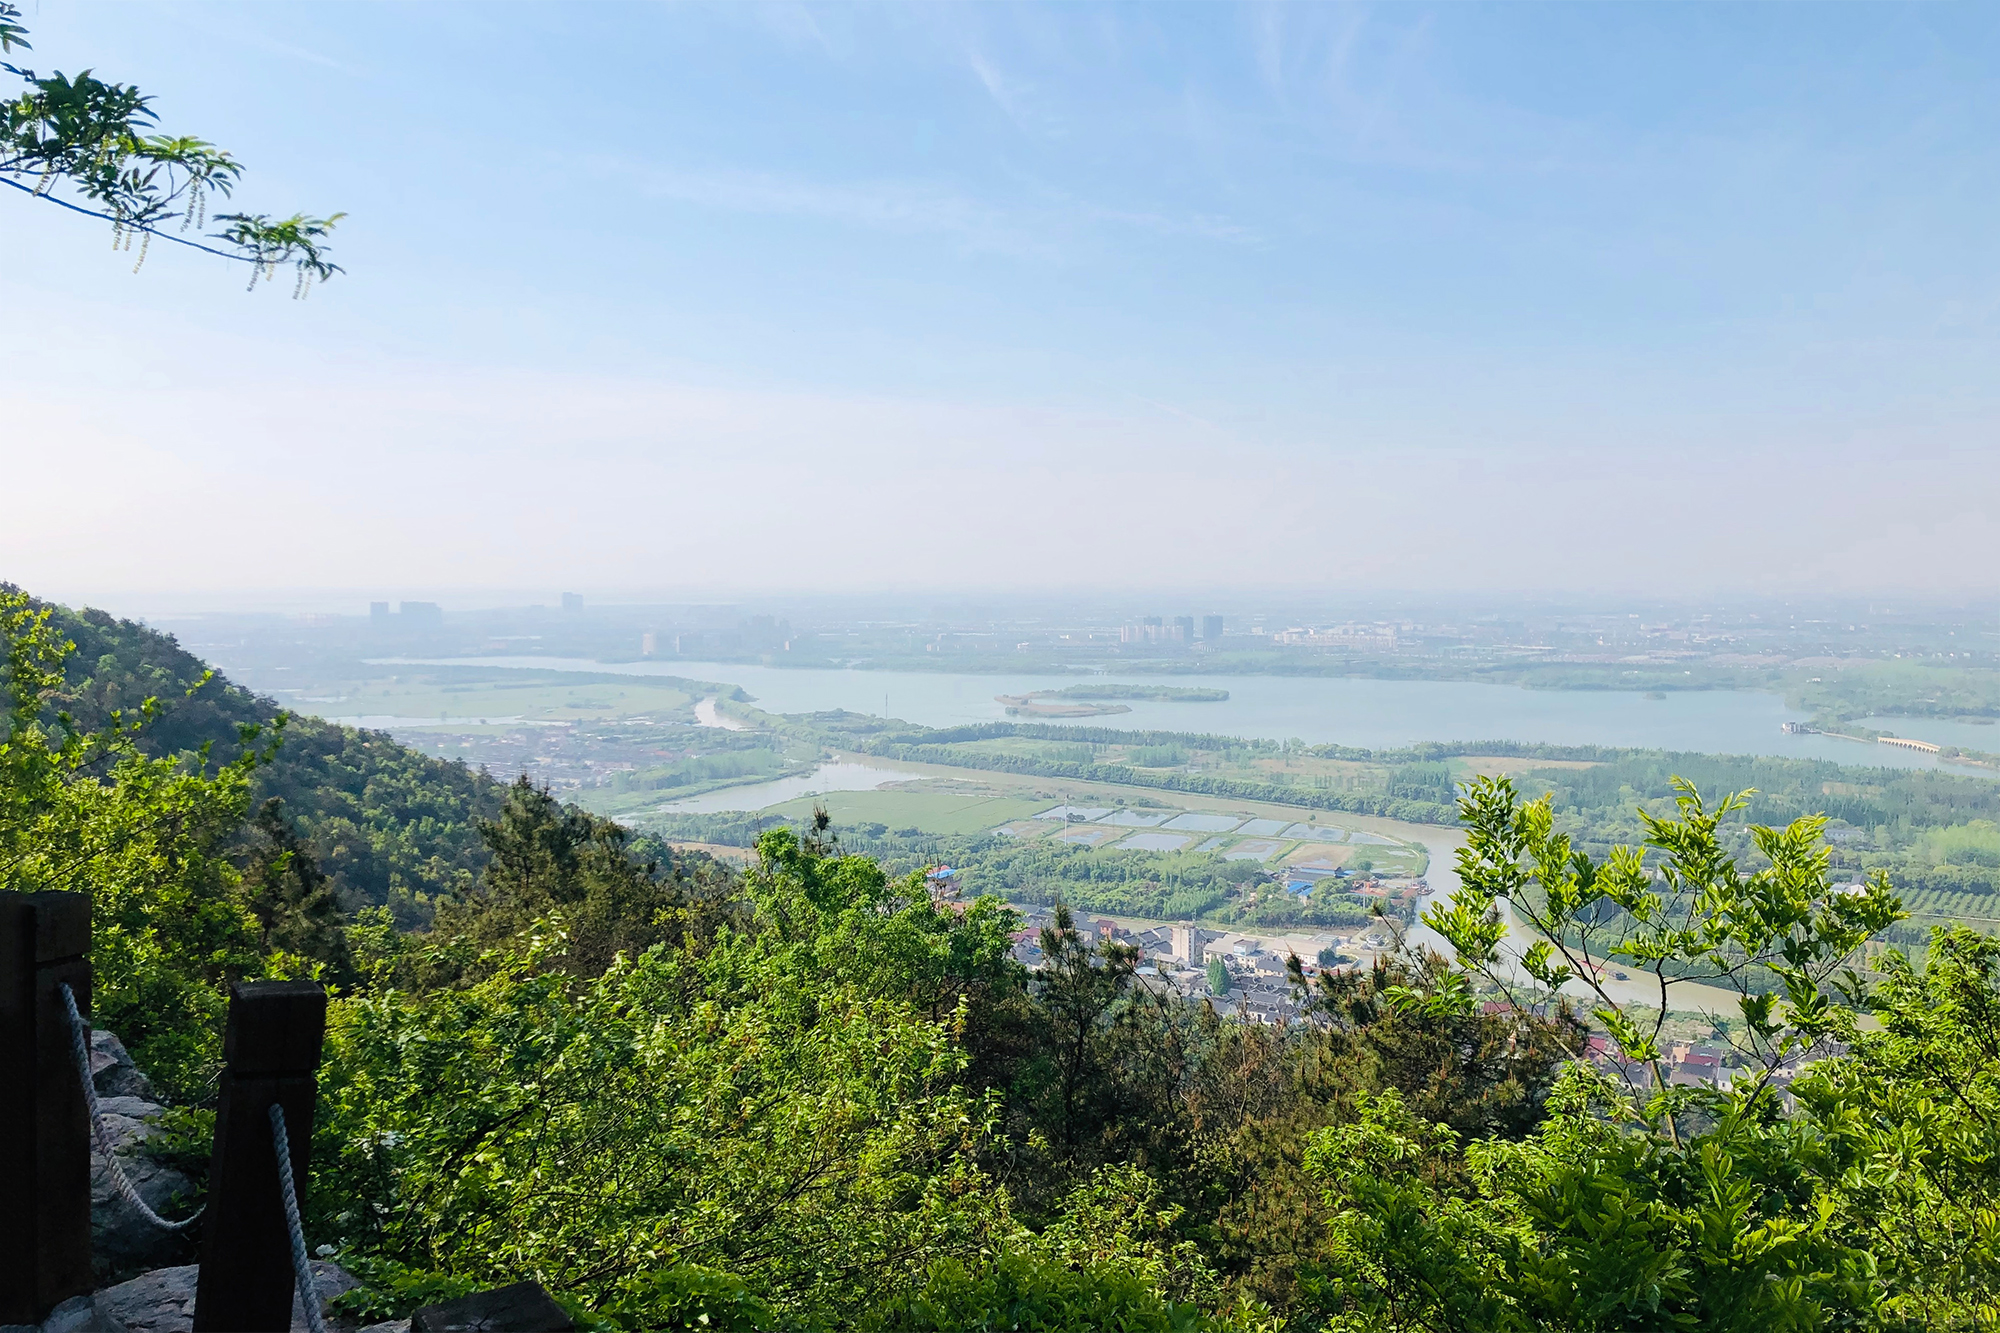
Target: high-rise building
[(420, 615), (378, 614), (649, 643), (1184, 629), (1211, 628), (572, 601), (1187, 945)]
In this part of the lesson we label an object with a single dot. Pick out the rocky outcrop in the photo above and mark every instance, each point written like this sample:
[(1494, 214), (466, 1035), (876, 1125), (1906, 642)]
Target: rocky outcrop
[(122, 1241), (162, 1301), (147, 1275), (112, 1070)]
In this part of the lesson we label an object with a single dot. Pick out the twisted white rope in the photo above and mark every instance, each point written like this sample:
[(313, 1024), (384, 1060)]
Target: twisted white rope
[(301, 1265), (79, 1046)]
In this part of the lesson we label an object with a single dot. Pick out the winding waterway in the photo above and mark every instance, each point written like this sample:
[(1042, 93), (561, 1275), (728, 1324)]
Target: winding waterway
[(1375, 714)]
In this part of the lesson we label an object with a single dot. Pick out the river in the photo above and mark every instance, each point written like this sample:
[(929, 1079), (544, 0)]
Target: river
[(1375, 714)]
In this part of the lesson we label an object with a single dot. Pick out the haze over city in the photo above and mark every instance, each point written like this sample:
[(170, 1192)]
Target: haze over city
[(737, 298)]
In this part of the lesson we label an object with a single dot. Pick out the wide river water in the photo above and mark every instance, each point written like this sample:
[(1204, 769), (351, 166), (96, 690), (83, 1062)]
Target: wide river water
[(1375, 714), (1372, 713)]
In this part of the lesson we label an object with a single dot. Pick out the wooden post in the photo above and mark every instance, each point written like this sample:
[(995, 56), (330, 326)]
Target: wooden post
[(271, 1054), (44, 1129)]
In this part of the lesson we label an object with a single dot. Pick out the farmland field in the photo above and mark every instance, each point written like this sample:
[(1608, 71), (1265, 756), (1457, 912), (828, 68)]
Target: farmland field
[(446, 696), (929, 809)]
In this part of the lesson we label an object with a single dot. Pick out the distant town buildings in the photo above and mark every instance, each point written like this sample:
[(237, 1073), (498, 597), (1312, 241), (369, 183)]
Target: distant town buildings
[(572, 601), (1154, 629), (1186, 630), (410, 615), (1339, 636), (765, 633)]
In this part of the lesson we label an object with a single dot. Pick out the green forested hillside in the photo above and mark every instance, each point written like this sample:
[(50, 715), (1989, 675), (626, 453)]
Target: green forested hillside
[(387, 825)]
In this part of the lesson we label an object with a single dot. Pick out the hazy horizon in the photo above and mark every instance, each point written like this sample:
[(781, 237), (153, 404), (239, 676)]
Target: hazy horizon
[(1107, 605), (1610, 301)]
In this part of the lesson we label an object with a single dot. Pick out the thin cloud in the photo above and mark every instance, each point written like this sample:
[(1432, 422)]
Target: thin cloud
[(1018, 100), (894, 206), (237, 32), (1199, 225), (919, 208)]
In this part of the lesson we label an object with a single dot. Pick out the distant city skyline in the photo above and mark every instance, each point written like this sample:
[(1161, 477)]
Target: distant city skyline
[(1646, 300)]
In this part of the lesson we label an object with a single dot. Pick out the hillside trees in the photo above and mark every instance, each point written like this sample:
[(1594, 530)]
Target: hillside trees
[(386, 825), (613, 894), (781, 1097), (83, 810), (295, 907)]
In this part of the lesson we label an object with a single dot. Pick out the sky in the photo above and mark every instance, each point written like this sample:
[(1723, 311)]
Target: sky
[(713, 299)]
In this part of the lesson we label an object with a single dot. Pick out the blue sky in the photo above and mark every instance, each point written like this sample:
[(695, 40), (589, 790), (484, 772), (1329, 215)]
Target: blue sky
[(698, 298)]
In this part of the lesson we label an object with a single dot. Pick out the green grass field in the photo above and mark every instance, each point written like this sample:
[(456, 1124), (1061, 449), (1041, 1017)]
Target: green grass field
[(1933, 907), (536, 700), (931, 810)]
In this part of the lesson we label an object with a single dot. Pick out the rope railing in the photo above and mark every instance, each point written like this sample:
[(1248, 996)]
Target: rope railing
[(301, 1264), (273, 1047), (79, 1045), (79, 1042), (253, 1269)]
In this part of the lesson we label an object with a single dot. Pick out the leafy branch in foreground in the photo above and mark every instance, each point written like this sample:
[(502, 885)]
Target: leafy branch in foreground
[(96, 138), (1844, 1180), (1781, 932)]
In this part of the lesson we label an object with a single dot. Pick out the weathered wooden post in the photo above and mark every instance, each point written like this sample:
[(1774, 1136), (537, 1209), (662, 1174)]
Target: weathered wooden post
[(271, 1053), (44, 1132)]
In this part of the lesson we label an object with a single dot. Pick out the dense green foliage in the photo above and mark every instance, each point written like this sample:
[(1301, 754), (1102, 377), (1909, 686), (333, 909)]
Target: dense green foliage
[(387, 826), (1933, 832), (1154, 886), (83, 809), (1870, 1206), (1649, 1205)]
